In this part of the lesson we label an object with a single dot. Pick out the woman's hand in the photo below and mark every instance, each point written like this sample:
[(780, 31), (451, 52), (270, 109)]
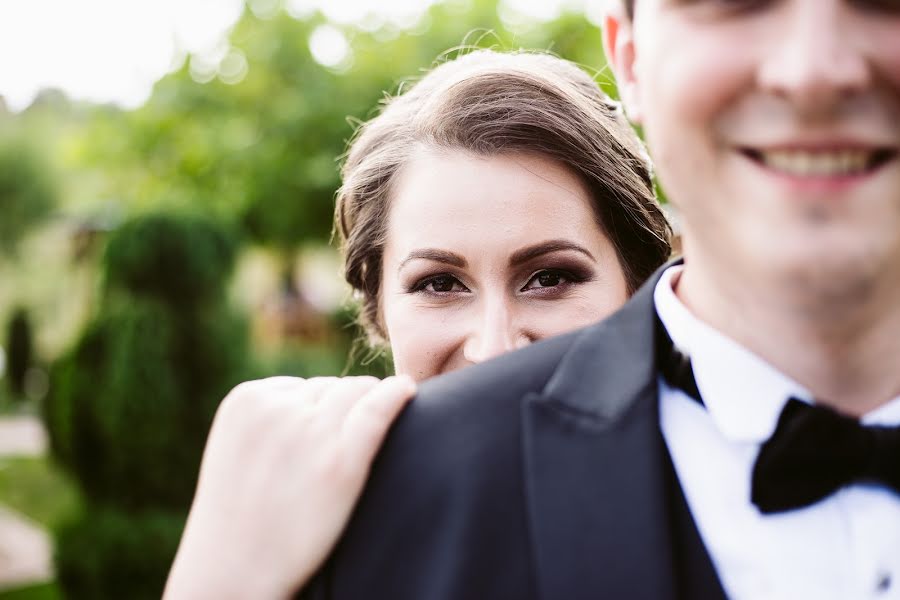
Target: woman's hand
[(284, 464)]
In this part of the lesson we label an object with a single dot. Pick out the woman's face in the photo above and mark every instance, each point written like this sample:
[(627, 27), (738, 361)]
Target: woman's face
[(485, 255)]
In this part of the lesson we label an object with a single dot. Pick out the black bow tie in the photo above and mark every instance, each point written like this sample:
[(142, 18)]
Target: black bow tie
[(814, 451)]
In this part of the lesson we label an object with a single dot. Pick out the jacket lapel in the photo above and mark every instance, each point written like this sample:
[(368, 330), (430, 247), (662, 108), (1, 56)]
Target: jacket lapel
[(597, 468)]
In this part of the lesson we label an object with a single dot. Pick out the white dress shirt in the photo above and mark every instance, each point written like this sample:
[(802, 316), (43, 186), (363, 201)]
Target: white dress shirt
[(846, 546)]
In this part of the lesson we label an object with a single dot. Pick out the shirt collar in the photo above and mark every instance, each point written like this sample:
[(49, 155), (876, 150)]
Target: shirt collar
[(743, 394)]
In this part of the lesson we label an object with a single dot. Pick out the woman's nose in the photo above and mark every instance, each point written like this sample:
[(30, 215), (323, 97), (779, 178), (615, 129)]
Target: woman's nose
[(492, 333)]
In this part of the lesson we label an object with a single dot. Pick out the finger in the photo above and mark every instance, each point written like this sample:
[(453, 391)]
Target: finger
[(287, 402), (252, 392), (282, 381), (248, 398), (371, 417), (269, 384), (297, 407), (291, 394), (339, 398), (312, 390)]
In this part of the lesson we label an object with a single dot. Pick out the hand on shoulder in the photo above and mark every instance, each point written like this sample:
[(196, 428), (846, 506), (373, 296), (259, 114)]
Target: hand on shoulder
[(284, 464)]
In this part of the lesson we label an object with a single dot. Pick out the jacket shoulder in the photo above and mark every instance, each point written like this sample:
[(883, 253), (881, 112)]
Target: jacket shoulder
[(444, 507), (475, 398)]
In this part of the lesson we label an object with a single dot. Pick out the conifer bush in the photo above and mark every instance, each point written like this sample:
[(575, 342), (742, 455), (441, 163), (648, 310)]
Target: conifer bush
[(131, 403)]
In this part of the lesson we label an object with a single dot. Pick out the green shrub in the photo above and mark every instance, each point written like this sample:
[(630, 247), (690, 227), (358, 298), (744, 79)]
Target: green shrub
[(182, 260), (27, 191), (110, 554), (131, 403)]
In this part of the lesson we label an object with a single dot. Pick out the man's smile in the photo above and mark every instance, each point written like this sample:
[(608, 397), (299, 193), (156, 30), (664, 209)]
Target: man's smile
[(834, 162)]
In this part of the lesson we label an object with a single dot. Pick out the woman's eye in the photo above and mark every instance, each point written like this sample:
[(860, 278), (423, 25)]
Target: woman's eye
[(440, 284), (547, 279)]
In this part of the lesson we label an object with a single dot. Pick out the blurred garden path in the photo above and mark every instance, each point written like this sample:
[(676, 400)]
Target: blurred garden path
[(22, 436), (25, 548)]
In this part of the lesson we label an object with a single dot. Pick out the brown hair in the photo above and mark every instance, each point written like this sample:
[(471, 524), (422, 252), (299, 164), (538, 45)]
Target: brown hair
[(490, 103), (629, 8)]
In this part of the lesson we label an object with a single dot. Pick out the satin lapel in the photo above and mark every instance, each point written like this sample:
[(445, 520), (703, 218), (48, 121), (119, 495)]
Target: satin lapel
[(595, 467)]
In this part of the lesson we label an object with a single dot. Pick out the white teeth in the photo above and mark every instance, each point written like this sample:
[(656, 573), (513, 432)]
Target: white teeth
[(817, 164)]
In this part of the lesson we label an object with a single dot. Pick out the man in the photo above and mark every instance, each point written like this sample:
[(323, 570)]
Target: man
[(652, 456)]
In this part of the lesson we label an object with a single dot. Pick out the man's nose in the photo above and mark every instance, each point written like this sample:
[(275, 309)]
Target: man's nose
[(818, 60), (493, 332)]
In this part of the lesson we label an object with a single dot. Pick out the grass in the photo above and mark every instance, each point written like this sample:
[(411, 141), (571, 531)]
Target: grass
[(39, 591), (35, 487), (10, 406)]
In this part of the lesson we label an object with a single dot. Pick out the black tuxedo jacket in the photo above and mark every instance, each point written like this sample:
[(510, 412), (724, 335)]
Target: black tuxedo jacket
[(542, 474)]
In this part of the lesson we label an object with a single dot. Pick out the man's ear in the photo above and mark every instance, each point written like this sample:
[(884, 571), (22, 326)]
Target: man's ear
[(618, 43)]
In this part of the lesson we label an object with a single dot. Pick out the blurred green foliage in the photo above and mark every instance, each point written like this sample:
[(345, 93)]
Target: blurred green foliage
[(263, 153), (130, 405), (41, 591), (27, 192), (178, 261), (112, 554), (35, 487)]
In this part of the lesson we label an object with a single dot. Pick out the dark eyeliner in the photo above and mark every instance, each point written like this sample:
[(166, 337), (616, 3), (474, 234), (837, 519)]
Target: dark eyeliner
[(570, 275), (421, 284)]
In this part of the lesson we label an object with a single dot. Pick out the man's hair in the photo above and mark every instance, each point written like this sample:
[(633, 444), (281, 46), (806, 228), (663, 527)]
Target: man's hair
[(629, 8), (490, 103)]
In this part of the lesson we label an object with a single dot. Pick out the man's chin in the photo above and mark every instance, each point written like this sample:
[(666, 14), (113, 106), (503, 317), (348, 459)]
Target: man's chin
[(828, 275)]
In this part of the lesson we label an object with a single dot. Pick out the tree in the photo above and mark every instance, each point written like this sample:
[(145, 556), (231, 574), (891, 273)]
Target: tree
[(27, 193), (132, 402), (263, 153), (19, 351)]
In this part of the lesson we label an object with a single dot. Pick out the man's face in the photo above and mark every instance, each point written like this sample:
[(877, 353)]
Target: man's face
[(775, 128)]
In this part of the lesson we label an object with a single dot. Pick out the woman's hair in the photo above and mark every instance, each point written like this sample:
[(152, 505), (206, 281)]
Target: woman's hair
[(491, 103)]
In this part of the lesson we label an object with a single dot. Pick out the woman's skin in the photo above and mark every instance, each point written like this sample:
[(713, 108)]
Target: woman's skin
[(484, 255)]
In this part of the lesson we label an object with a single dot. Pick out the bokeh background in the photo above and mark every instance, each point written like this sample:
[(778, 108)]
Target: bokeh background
[(167, 175)]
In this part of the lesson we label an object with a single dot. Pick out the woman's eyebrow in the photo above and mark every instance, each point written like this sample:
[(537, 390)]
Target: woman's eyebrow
[(441, 256), (529, 252)]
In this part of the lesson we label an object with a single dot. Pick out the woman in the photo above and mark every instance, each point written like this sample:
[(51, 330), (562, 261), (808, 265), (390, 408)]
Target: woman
[(502, 200)]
